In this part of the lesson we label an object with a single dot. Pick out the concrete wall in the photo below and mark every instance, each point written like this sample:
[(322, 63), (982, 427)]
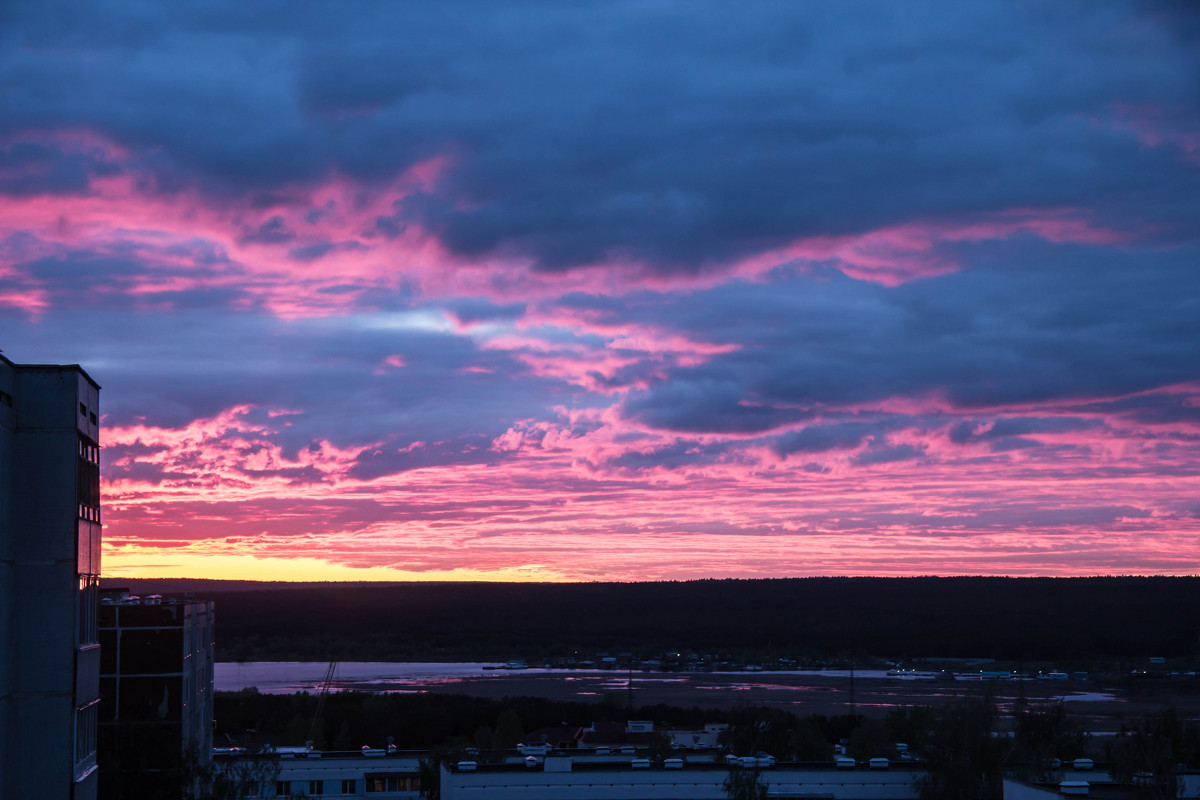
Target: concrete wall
[(7, 425), (43, 674)]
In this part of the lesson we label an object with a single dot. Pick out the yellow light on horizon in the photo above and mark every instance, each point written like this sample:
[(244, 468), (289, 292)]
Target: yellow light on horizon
[(146, 563)]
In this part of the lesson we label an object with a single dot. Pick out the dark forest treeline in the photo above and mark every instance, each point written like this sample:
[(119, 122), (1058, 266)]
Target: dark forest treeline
[(1031, 618)]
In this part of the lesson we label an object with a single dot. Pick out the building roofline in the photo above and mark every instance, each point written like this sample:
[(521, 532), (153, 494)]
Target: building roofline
[(73, 367)]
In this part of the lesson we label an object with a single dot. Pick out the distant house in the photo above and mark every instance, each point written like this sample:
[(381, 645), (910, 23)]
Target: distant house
[(706, 738), (617, 735), (559, 737)]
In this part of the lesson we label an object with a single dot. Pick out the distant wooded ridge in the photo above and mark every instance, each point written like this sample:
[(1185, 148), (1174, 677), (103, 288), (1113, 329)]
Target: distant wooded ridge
[(1005, 618)]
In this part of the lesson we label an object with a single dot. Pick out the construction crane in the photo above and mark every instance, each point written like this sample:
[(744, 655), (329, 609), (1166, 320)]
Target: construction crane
[(312, 731)]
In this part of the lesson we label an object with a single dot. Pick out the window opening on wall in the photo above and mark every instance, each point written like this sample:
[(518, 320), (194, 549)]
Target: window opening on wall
[(85, 731), (384, 782), (89, 609), (87, 480)]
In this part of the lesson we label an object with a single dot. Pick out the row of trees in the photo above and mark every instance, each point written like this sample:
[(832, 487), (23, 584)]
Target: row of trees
[(967, 759)]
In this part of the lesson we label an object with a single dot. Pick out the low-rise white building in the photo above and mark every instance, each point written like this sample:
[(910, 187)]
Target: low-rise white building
[(298, 772), (568, 778), (561, 775)]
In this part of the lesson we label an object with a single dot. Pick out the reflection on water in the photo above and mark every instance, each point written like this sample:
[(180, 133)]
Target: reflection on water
[(876, 687), (284, 677), (1091, 697)]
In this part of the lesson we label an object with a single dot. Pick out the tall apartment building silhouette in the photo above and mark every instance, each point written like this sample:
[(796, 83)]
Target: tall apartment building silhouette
[(49, 571)]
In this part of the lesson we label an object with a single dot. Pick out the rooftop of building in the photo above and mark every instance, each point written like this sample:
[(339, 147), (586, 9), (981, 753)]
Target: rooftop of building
[(61, 367), (121, 597)]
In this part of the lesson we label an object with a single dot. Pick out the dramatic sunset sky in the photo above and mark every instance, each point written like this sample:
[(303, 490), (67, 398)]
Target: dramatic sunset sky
[(620, 290)]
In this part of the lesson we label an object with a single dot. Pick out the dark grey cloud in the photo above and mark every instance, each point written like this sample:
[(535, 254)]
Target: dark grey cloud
[(168, 369), (1151, 409), (470, 310), (705, 406), (678, 134), (123, 279), (273, 231), (311, 252), (822, 438), (1013, 433), (887, 454), (31, 168), (393, 458), (1025, 322), (677, 455)]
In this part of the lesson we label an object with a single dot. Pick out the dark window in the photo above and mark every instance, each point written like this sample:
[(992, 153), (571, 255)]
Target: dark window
[(82, 410), (147, 651), (87, 481), (348, 786), (150, 698), (316, 787), (389, 782), (283, 788)]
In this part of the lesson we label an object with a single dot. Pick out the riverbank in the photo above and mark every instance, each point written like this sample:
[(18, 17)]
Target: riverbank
[(872, 693)]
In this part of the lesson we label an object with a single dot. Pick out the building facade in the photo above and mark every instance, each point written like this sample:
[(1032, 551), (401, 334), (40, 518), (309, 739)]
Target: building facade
[(574, 778), (156, 685), (291, 772), (49, 571), (556, 775)]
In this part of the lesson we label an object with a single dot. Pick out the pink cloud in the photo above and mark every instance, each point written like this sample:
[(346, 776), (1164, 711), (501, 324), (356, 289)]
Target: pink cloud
[(901, 253), (1158, 127), (642, 503), (394, 361), (325, 248)]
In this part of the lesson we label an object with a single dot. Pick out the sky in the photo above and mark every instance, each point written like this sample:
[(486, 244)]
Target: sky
[(617, 290)]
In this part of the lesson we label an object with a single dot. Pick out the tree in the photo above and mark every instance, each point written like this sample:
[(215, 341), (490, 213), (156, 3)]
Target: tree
[(745, 783), (232, 779), (429, 772), (869, 739), (807, 743), (1149, 754), (1041, 738), (909, 724), (754, 730), (508, 731), (963, 757)]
